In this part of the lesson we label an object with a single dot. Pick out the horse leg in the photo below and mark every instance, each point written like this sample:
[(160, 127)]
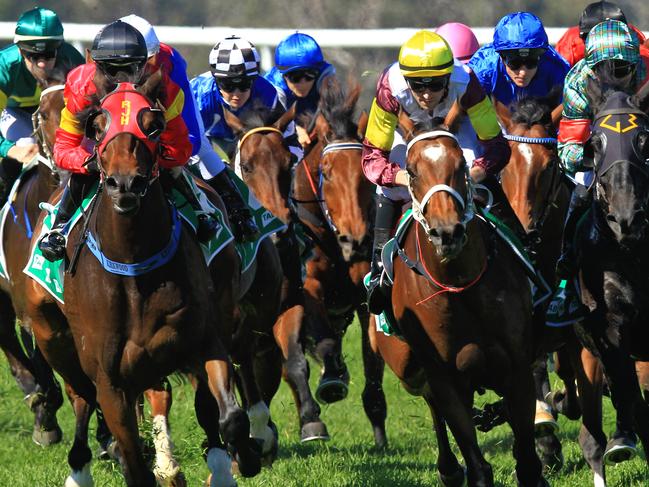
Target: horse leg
[(119, 411), (296, 373), (166, 469), (519, 399), (566, 401), (449, 471), (590, 377), (547, 444), (376, 408), (642, 371), (79, 456)]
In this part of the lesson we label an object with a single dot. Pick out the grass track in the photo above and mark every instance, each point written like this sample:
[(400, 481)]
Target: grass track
[(347, 460)]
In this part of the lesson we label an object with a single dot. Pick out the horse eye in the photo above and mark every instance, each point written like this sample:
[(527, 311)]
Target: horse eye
[(411, 173), (245, 167)]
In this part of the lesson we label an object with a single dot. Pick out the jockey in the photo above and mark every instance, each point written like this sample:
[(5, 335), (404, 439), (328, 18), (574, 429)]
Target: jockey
[(300, 70), (520, 62), (208, 163), (461, 38), (611, 47), (120, 53), (38, 50), (233, 83), (572, 44), (425, 83)]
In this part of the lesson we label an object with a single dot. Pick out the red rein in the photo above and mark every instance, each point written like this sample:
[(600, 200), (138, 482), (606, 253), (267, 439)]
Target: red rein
[(443, 287)]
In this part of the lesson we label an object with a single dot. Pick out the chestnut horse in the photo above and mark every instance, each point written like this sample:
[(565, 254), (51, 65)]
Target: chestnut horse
[(33, 374), (463, 307), (264, 163), (335, 203), (613, 275), (117, 335)]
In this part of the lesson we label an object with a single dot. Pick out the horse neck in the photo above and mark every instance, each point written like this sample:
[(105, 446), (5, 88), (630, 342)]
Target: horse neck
[(461, 269), (136, 237), (43, 186)]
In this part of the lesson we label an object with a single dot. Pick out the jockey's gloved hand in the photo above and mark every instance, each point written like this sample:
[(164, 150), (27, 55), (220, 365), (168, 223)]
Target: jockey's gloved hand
[(91, 164)]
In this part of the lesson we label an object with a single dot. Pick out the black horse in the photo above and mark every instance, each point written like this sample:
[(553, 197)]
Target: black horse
[(614, 275)]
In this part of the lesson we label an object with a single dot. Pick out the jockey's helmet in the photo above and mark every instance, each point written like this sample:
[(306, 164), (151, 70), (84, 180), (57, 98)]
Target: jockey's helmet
[(120, 48), (612, 40), (298, 52), (520, 34), (461, 38), (597, 12), (39, 30), (146, 29), (234, 57), (426, 55)]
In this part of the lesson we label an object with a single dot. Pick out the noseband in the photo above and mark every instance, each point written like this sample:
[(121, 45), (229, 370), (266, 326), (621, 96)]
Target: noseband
[(418, 207)]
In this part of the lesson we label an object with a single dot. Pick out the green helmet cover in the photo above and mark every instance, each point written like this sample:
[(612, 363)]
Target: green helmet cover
[(39, 30)]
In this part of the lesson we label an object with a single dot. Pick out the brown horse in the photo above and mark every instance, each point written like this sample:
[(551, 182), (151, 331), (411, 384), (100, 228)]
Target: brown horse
[(265, 166), (335, 202), (117, 335), (463, 307), (34, 376)]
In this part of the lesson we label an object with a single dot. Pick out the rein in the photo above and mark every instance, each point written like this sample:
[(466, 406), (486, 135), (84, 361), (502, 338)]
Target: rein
[(531, 140), (37, 125)]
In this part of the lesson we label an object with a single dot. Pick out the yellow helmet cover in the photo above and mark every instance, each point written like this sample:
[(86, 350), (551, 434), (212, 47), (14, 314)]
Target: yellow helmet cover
[(425, 55)]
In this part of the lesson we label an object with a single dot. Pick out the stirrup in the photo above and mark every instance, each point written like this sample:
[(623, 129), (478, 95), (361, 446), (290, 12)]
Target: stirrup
[(243, 226), (207, 227), (376, 298), (52, 245)]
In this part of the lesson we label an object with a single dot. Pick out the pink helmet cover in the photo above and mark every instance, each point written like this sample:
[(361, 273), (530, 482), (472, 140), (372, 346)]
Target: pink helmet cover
[(461, 38)]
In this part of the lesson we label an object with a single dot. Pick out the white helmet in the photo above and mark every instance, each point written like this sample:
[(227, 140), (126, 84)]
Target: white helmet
[(146, 29)]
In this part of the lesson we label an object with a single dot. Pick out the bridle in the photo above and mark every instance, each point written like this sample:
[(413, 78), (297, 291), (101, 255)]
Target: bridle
[(242, 139), (39, 131), (418, 206)]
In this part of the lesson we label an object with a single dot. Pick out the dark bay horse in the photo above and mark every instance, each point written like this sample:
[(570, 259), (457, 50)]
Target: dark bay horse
[(614, 269), (265, 165), (464, 309), (335, 202), (117, 335), (33, 374)]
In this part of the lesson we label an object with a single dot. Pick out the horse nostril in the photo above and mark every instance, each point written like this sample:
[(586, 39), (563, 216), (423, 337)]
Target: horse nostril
[(639, 218), (343, 239), (138, 184), (111, 183), (611, 218)]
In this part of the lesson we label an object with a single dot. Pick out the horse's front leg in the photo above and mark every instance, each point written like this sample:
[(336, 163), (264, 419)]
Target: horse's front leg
[(119, 412), (374, 403), (80, 456)]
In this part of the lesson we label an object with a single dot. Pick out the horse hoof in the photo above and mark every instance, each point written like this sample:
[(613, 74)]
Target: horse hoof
[(619, 449), (380, 438), (270, 455), (169, 477), (544, 422), (47, 438), (80, 478), (456, 479), (331, 390), (314, 431), (248, 458), (558, 399), (109, 451)]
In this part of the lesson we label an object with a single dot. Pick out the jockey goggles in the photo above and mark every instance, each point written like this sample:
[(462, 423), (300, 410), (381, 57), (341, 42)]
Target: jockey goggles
[(438, 83), (515, 63), (35, 56), (301, 74), (621, 69), (231, 84)]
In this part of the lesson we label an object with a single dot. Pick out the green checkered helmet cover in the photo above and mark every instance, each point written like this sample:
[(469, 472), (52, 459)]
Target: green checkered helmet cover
[(611, 39), (39, 29)]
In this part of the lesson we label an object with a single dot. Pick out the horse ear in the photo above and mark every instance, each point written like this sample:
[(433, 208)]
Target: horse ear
[(555, 116), (88, 57), (362, 124), (322, 127), (285, 119), (406, 125), (641, 98), (504, 115), (233, 122), (453, 116)]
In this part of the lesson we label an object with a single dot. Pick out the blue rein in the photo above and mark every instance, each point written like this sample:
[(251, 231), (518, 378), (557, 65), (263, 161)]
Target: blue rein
[(531, 140), (139, 268)]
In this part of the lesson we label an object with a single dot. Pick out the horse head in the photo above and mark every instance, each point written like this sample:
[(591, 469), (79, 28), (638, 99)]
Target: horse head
[(532, 179), (442, 199), (345, 191), (263, 157), (126, 128), (618, 152)]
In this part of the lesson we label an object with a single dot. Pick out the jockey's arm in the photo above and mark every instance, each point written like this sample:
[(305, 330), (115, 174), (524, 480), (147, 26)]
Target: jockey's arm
[(574, 128), (482, 116), (69, 153)]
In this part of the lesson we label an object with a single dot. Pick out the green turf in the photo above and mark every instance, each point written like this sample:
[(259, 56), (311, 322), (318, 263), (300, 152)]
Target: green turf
[(349, 459)]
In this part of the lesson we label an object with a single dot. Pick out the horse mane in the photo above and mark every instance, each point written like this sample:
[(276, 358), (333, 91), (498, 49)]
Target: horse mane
[(337, 106), (259, 115), (531, 111)]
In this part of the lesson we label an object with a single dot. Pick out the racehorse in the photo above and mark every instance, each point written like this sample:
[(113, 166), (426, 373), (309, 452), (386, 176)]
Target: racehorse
[(449, 293), (264, 163), (117, 335), (613, 275), (33, 374), (335, 202), (539, 195)]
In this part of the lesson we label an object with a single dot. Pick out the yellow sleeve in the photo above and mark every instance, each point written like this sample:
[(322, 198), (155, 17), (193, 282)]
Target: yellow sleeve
[(69, 122), (176, 107), (484, 120), (3, 100), (380, 127)]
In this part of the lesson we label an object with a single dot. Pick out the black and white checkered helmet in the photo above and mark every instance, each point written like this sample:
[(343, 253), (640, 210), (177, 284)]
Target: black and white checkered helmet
[(234, 57)]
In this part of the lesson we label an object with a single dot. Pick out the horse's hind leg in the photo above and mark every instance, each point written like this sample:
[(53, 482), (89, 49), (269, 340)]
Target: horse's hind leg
[(374, 403), (642, 370), (79, 457), (166, 468), (547, 443), (566, 401)]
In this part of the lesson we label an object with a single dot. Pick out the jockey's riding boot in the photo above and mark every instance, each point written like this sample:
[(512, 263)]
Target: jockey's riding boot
[(52, 244), (376, 298), (503, 210), (243, 225), (207, 226), (9, 172), (579, 203)]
